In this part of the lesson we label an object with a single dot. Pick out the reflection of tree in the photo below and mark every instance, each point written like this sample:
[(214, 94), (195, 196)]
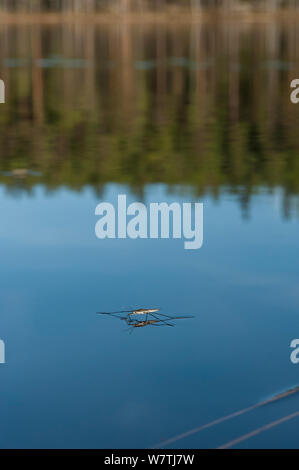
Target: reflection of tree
[(201, 106), (125, 6)]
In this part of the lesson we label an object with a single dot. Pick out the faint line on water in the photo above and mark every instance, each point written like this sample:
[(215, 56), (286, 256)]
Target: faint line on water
[(259, 430), (226, 418)]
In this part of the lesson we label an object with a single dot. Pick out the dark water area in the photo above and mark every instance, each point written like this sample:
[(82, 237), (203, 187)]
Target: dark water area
[(175, 113)]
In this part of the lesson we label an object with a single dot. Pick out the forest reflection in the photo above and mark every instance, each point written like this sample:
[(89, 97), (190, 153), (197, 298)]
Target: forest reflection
[(200, 106)]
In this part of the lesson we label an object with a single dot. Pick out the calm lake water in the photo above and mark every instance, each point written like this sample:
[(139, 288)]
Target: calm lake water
[(160, 113)]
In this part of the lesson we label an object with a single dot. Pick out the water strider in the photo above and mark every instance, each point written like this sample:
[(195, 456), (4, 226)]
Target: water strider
[(150, 317)]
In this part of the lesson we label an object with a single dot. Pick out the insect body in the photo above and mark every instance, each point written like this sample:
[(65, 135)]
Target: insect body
[(144, 311)]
